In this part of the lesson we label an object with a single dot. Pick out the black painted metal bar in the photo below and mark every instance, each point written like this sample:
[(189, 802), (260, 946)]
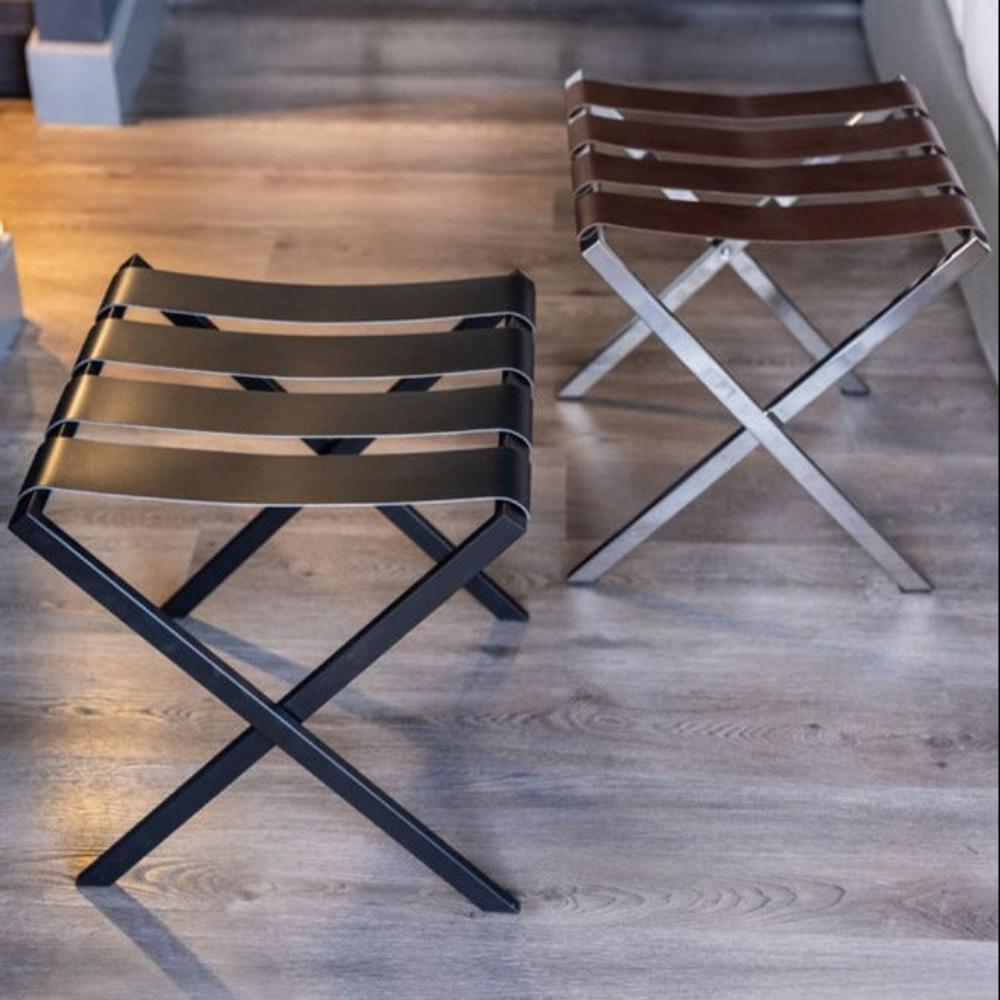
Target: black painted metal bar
[(280, 724)]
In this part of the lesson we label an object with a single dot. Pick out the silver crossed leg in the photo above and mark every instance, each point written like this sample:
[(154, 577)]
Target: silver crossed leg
[(691, 280), (765, 426)]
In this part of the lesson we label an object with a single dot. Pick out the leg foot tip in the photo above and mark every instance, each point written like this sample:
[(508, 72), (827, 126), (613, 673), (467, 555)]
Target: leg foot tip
[(515, 616), (87, 880), (508, 904)]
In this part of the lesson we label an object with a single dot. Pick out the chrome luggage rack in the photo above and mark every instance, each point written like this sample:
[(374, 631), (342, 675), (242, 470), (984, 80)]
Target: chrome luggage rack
[(635, 167)]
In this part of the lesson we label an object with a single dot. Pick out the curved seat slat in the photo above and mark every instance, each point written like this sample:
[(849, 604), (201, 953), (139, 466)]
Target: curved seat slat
[(888, 96), (91, 399), (74, 465), (504, 296), (847, 177), (773, 223), (297, 356), (754, 144)]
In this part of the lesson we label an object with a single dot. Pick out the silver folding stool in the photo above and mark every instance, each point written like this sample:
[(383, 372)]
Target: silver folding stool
[(628, 152)]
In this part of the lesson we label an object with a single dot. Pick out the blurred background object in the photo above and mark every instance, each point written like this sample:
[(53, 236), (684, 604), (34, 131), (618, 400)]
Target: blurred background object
[(15, 26), (10, 294), (86, 58)]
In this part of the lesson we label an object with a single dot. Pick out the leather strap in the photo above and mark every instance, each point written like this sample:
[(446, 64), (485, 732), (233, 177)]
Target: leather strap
[(848, 177), (842, 101), (773, 223), (755, 144)]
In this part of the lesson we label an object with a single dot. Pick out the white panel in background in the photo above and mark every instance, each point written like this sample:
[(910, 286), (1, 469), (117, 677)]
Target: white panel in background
[(94, 83)]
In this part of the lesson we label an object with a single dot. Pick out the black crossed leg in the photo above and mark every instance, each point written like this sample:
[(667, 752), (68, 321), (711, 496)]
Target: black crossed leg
[(267, 522), (280, 724)]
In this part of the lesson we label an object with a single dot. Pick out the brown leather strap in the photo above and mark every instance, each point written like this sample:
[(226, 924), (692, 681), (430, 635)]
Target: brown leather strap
[(754, 144), (842, 101), (852, 176), (502, 296), (772, 223)]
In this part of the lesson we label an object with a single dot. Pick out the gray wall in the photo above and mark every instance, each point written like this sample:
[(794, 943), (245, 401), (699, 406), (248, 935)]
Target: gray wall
[(916, 38)]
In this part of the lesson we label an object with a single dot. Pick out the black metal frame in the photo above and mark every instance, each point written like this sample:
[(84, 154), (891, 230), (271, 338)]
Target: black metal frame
[(281, 723)]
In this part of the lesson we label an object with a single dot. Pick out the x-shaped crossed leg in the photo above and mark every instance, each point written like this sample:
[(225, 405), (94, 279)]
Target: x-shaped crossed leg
[(281, 723), (764, 426)]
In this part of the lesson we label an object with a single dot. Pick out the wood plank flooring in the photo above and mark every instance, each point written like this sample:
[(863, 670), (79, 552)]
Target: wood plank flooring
[(742, 766)]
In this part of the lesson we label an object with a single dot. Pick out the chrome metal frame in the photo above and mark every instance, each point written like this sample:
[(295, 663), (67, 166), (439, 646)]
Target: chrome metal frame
[(656, 313), (765, 426)]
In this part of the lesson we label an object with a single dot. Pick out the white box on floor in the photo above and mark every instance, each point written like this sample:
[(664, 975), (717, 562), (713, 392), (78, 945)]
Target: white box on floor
[(94, 83)]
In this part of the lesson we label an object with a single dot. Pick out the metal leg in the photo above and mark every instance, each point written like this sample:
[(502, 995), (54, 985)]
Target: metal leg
[(764, 426), (267, 522), (430, 539), (281, 724), (718, 254), (672, 501), (698, 273), (794, 320), (226, 560)]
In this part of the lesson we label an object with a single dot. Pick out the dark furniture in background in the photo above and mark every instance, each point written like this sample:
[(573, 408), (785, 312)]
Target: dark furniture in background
[(15, 26), (74, 20)]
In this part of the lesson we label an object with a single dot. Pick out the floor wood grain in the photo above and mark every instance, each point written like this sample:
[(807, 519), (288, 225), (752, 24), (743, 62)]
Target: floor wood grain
[(741, 766)]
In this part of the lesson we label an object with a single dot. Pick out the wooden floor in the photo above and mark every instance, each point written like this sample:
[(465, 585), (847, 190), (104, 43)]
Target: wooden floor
[(742, 766)]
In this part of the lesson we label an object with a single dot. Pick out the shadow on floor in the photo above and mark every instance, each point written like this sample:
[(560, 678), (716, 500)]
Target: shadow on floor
[(157, 942)]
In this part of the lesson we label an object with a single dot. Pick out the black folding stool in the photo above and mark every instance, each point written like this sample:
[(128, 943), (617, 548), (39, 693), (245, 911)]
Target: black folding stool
[(494, 337), (628, 151)]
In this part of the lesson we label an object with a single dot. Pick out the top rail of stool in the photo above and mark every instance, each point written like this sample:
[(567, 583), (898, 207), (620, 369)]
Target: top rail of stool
[(755, 144), (510, 296), (891, 95), (294, 356), (776, 224), (775, 180)]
